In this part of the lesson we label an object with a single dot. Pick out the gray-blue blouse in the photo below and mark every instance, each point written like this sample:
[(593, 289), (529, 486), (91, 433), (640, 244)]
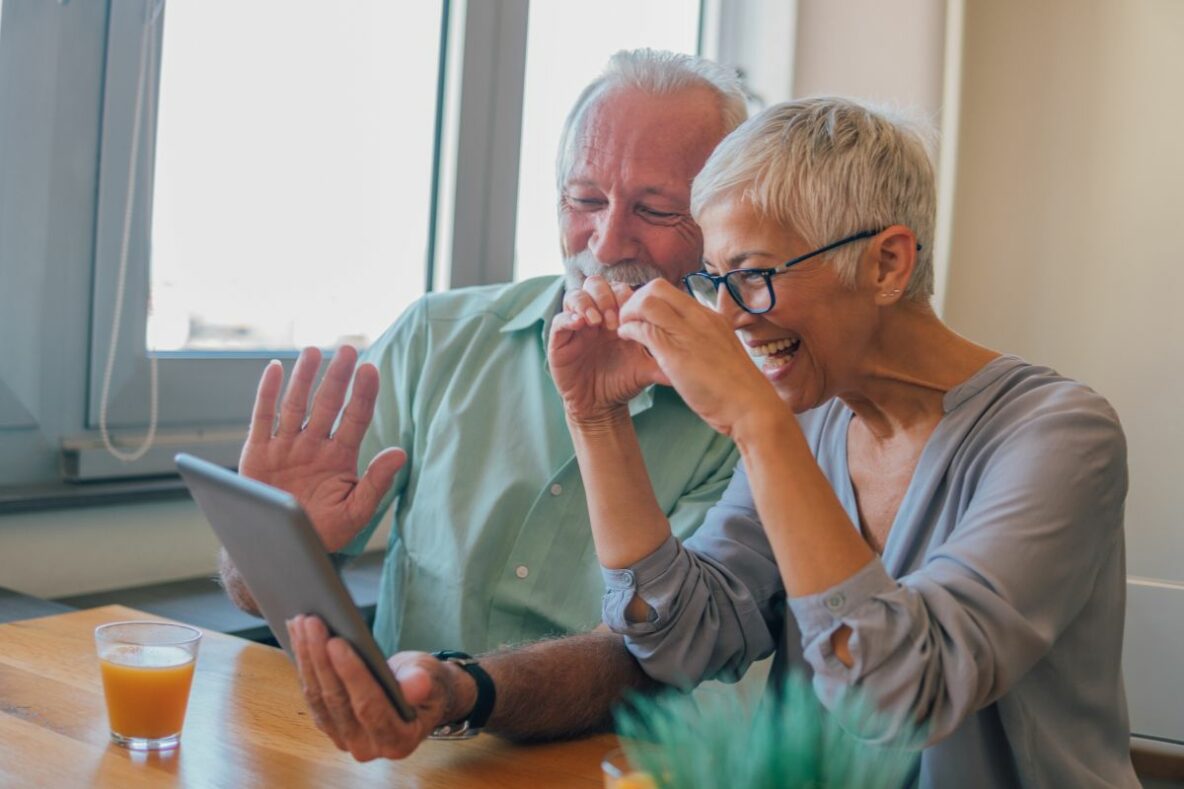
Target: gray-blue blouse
[(994, 617)]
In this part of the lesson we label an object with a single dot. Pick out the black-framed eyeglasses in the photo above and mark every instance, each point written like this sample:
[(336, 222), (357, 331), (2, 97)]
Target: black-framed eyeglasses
[(752, 288)]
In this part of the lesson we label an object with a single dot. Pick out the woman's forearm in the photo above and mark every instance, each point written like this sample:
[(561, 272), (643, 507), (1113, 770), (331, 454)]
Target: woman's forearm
[(627, 522), (813, 539)]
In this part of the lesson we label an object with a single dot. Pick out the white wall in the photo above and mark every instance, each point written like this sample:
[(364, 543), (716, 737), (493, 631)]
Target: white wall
[(66, 552), (1066, 250)]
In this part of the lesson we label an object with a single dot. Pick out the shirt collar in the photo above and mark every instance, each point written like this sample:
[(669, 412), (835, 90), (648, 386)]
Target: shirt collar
[(542, 309)]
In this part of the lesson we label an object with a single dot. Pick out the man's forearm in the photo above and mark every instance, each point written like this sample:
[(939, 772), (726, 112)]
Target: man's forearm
[(235, 586), (561, 688)]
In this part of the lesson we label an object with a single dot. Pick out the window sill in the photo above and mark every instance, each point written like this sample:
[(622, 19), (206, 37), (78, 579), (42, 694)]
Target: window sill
[(37, 498)]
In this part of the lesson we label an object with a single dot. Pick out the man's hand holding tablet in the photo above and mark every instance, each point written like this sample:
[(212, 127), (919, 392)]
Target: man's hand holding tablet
[(350, 706)]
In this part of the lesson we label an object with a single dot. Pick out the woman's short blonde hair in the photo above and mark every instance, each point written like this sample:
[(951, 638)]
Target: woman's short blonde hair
[(828, 168)]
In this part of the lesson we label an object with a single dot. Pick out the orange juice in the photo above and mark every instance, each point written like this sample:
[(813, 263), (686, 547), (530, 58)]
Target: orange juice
[(147, 688)]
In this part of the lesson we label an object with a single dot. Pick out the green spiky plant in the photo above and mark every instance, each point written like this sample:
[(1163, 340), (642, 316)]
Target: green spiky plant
[(787, 740)]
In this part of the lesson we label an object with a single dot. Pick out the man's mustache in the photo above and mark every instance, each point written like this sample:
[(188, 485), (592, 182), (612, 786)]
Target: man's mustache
[(584, 264)]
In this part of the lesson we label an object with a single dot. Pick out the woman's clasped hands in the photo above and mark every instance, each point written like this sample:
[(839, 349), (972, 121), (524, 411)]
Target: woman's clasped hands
[(611, 342)]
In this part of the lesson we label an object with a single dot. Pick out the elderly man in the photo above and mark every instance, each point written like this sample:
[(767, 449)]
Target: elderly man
[(491, 542)]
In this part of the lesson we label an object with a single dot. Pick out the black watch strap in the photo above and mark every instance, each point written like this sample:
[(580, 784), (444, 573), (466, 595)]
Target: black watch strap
[(486, 693)]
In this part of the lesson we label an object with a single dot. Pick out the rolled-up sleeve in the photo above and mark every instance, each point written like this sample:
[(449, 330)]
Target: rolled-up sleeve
[(715, 604), (940, 643)]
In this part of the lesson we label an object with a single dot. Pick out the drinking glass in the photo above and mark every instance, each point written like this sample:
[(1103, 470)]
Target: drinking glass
[(147, 669)]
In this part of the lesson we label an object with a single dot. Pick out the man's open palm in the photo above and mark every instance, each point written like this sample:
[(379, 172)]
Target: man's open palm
[(309, 459)]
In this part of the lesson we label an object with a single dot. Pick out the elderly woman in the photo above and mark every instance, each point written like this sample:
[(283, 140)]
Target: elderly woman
[(916, 516)]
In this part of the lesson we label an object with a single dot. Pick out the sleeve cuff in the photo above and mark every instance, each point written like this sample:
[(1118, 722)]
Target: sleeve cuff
[(651, 579), (821, 612), (645, 570)]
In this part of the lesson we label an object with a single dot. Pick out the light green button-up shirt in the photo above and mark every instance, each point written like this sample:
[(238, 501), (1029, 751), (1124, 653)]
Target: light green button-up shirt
[(491, 542)]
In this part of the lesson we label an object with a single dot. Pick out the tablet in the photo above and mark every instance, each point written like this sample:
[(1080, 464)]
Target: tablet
[(280, 557)]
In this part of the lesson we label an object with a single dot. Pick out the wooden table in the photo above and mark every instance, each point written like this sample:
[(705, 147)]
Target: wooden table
[(246, 726)]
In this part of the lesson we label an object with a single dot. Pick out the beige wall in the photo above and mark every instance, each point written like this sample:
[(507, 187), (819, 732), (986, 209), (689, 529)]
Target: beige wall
[(1067, 220), (1065, 249), (887, 52)]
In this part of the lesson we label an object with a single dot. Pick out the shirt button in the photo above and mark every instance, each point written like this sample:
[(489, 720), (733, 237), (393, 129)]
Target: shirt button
[(556, 489), (522, 571), (835, 601)]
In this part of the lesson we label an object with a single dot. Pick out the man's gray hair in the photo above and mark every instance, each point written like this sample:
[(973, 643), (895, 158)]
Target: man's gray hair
[(827, 168), (660, 73)]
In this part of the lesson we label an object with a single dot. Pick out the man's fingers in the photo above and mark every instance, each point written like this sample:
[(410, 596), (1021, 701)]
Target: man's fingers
[(376, 481), (333, 693), (419, 689), (377, 716), (359, 410), (309, 682), (326, 404), (266, 401), (295, 401)]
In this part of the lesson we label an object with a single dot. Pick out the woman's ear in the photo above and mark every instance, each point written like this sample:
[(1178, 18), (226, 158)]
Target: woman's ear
[(894, 256)]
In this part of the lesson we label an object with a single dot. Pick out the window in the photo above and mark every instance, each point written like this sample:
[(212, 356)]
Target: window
[(288, 195), (558, 66), (290, 202)]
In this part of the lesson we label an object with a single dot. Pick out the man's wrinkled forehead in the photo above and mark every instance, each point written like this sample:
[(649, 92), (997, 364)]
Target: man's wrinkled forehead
[(650, 169), (631, 131)]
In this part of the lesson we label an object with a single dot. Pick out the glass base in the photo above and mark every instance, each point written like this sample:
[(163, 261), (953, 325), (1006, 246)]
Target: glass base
[(146, 743)]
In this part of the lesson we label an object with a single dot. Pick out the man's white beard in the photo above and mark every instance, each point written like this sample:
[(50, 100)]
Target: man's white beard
[(584, 264)]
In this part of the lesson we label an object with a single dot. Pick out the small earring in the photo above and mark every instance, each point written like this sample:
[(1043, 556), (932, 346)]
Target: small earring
[(889, 294)]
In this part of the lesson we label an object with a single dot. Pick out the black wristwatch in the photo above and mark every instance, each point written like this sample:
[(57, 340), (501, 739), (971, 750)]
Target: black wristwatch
[(486, 694)]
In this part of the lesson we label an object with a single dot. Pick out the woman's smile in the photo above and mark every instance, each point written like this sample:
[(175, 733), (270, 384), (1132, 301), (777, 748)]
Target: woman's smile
[(774, 357)]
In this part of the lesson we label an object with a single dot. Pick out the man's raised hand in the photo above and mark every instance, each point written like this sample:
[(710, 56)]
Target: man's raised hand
[(311, 460)]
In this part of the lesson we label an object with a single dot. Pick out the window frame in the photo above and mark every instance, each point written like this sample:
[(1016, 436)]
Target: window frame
[(51, 85)]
